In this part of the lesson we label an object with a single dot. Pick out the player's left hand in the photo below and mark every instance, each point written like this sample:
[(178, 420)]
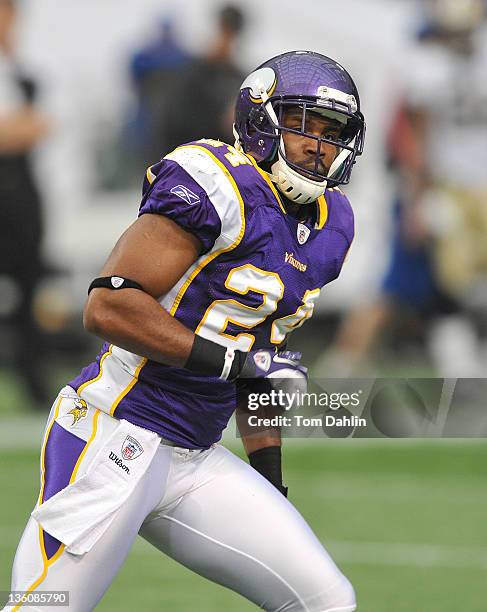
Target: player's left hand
[(282, 370), (265, 363)]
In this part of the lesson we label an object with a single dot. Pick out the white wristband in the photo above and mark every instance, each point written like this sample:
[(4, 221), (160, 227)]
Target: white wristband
[(227, 366)]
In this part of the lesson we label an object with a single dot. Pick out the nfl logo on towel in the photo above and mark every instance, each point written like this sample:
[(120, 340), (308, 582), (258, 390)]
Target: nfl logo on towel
[(131, 449)]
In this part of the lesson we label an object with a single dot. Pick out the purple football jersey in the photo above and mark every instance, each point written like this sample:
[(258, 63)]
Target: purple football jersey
[(257, 279)]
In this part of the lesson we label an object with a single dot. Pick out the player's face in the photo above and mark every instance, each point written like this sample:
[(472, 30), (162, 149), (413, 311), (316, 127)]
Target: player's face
[(301, 150)]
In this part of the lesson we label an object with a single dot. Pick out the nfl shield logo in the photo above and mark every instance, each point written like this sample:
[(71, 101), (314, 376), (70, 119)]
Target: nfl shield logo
[(131, 449), (303, 233)]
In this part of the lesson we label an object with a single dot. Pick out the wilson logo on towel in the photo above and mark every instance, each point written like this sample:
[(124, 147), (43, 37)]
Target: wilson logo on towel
[(118, 462), (131, 448)]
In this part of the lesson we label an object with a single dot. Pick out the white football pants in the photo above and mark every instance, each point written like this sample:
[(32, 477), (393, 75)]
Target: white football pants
[(207, 509)]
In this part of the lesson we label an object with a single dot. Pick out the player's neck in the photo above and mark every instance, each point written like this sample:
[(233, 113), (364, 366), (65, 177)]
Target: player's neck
[(301, 212)]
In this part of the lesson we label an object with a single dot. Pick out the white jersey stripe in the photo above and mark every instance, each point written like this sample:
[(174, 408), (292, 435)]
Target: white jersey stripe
[(209, 172)]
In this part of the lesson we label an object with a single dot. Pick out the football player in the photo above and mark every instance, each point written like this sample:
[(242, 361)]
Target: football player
[(228, 255)]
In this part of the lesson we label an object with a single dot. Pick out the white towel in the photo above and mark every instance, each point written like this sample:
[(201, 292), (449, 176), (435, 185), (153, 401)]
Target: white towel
[(80, 514)]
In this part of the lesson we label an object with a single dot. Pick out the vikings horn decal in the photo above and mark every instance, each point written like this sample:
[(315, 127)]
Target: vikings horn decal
[(262, 79)]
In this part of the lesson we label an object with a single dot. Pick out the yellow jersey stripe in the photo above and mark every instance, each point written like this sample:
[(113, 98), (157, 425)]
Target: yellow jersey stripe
[(87, 445), (269, 183), (151, 177), (100, 373), (130, 386), (323, 211)]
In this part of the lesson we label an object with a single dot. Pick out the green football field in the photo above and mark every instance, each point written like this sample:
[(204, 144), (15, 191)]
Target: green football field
[(405, 520)]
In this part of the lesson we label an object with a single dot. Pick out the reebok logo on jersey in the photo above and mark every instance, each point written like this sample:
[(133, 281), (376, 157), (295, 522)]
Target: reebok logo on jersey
[(289, 258), (185, 194), (118, 462)]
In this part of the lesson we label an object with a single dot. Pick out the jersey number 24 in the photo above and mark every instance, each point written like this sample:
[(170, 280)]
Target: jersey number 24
[(241, 280)]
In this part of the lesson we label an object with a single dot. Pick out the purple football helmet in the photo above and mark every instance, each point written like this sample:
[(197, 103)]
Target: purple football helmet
[(312, 83)]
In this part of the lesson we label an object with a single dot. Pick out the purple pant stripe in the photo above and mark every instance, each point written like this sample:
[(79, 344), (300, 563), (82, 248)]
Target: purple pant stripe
[(61, 454)]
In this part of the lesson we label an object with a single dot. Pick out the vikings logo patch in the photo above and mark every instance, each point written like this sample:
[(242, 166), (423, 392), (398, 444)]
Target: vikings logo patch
[(131, 448), (79, 411)]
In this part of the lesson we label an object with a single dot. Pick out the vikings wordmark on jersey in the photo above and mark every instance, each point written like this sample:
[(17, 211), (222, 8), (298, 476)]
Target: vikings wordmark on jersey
[(256, 281)]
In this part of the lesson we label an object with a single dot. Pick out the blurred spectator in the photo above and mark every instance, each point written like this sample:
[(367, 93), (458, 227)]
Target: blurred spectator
[(155, 69), (202, 103), (438, 148), (22, 127)]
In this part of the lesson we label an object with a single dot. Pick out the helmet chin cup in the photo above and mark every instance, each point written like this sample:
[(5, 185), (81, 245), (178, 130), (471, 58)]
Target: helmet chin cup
[(293, 186)]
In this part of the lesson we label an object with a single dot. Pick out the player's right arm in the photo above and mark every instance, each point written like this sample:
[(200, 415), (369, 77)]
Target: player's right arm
[(177, 223), (172, 231), (154, 252)]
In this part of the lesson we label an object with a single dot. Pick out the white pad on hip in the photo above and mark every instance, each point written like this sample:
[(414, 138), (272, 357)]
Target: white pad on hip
[(80, 514)]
